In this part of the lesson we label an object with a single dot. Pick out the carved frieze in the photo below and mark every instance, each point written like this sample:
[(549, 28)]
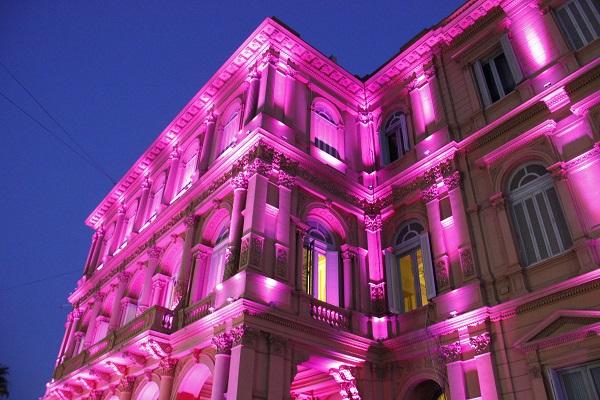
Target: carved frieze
[(451, 352), (480, 343)]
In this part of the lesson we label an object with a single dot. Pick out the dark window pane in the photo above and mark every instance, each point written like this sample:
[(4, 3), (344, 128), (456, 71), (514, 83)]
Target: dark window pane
[(547, 223), (559, 218), (569, 28), (506, 78), (489, 81), (574, 385), (596, 377), (537, 230), (392, 144), (516, 181), (527, 249), (581, 23), (587, 10)]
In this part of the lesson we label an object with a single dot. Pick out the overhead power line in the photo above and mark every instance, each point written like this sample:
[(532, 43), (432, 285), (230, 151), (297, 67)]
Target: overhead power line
[(32, 282), (80, 151)]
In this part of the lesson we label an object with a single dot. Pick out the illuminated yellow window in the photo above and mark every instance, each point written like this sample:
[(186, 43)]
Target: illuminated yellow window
[(407, 280), (307, 271), (322, 277), (421, 274)]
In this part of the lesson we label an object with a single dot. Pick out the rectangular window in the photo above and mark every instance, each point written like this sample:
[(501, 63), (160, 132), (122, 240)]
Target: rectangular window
[(577, 383), (580, 21), (412, 280), (322, 277), (498, 74)]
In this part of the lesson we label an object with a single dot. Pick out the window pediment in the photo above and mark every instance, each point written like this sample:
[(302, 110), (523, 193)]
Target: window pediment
[(563, 326)]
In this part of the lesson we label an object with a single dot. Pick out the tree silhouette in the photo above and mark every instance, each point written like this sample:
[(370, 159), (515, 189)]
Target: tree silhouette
[(3, 381)]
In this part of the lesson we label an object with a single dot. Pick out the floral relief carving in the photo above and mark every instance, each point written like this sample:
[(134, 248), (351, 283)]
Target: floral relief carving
[(223, 342), (451, 352), (466, 262), (453, 180), (373, 223), (480, 343), (442, 276), (430, 193), (281, 261)]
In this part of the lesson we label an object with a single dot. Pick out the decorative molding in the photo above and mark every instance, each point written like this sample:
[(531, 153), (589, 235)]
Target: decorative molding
[(451, 352), (480, 343)]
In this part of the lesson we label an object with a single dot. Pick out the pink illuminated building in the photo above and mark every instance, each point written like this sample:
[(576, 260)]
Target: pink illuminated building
[(430, 231)]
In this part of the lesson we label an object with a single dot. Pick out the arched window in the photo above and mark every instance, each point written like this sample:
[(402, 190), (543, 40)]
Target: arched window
[(410, 277), (537, 216), (156, 195), (230, 126), (188, 166), (128, 223), (217, 259), (326, 132), (321, 266), (394, 138)]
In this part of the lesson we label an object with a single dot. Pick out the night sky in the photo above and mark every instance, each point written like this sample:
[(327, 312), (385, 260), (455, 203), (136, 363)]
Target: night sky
[(114, 74)]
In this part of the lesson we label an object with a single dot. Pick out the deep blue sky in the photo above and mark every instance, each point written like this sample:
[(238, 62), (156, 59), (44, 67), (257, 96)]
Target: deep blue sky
[(114, 74)]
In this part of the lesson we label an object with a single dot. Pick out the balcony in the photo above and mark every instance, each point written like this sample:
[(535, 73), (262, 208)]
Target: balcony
[(156, 319)]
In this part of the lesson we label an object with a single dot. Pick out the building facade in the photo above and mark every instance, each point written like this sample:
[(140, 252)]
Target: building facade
[(430, 231)]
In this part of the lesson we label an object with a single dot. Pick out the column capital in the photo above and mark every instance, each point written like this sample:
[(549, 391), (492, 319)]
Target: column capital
[(451, 352), (190, 220), (480, 343), (223, 342), (210, 117), (243, 335), (240, 181), (154, 252), (124, 277), (167, 366), (286, 180), (453, 181), (429, 193), (126, 384), (373, 222)]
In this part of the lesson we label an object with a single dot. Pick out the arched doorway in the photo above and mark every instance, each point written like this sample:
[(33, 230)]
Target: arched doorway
[(427, 390), (196, 384), (148, 392)]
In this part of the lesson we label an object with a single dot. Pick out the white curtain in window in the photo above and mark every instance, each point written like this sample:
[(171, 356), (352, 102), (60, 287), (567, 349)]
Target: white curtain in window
[(326, 131)]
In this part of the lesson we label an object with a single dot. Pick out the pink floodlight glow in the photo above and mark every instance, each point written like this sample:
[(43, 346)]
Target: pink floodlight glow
[(536, 47), (219, 287), (380, 331), (427, 104), (270, 283)]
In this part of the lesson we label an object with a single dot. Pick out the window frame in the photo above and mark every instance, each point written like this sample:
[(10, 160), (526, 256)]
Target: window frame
[(530, 191), (575, 24), (312, 248), (392, 259), (557, 383), (400, 130), (504, 47)]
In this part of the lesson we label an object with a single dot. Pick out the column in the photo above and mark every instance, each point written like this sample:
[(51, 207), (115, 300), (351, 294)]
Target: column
[(200, 275), (366, 132), (266, 97), (480, 344), (461, 229), (116, 239), (140, 217), (347, 258), (70, 330), (89, 267), (514, 271), (282, 230), (279, 380), (223, 343), (183, 275), (253, 80), (89, 336), (98, 240), (115, 315), (166, 372), (144, 300), (240, 385), (240, 187), (172, 177), (207, 142), (159, 283), (289, 104), (301, 230), (441, 260), (456, 381), (125, 387), (373, 225)]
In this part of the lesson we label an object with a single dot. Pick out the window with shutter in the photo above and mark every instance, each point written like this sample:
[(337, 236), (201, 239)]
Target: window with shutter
[(411, 282), (320, 273), (394, 138), (538, 219), (580, 22)]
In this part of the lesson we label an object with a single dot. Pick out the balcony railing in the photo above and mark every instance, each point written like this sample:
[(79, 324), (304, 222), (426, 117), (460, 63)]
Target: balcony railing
[(197, 311), (156, 319), (331, 315)]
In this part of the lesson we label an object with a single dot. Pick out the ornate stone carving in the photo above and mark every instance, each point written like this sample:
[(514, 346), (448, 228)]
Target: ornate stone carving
[(453, 180), (535, 372), (189, 221), (154, 252), (345, 376), (430, 193), (223, 342), (135, 358), (286, 180), (450, 352), (126, 384), (118, 369), (466, 262), (167, 366), (231, 265), (480, 343), (240, 181), (244, 335), (258, 166), (281, 261), (558, 171), (373, 223), (442, 276), (156, 350)]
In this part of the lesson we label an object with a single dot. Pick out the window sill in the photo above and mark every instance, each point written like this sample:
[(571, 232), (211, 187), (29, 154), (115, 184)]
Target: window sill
[(328, 159), (549, 260)]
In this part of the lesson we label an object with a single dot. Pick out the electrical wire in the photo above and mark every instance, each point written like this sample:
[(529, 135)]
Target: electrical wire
[(28, 283), (55, 136), (81, 150)]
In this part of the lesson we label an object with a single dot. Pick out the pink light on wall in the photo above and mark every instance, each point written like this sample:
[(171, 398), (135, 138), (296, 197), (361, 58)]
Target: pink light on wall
[(380, 330), (537, 48), (426, 104)]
